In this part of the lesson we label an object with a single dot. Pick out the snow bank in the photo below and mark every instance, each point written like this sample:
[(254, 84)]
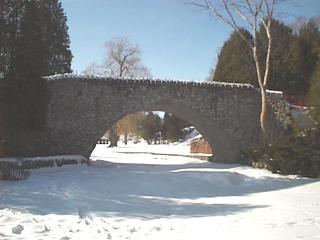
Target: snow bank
[(40, 162), (14, 168)]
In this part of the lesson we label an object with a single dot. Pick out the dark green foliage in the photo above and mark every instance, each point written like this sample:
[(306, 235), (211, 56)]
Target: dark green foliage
[(33, 43), (302, 57), (26, 90), (295, 154), (11, 12), (281, 38), (151, 125), (55, 32), (293, 58), (235, 61), (172, 128), (314, 95), (236, 64), (53, 29)]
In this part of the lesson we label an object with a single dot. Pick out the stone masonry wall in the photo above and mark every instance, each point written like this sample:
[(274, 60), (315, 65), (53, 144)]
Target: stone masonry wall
[(82, 108)]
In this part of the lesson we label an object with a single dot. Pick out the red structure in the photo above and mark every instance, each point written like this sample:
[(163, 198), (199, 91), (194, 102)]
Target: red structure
[(297, 100), (200, 146)]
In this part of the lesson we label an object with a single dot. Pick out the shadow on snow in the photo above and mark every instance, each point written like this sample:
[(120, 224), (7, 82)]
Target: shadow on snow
[(137, 190)]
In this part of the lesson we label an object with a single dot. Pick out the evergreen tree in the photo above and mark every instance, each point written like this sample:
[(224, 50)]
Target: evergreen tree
[(54, 33), (33, 43), (24, 86), (235, 61), (172, 127), (11, 12), (303, 57), (151, 125), (56, 39), (293, 58), (282, 37), (314, 94)]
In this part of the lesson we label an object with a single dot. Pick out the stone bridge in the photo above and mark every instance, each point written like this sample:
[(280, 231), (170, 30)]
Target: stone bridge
[(83, 108)]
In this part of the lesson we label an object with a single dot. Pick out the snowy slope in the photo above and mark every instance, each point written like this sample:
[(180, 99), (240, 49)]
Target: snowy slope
[(148, 196)]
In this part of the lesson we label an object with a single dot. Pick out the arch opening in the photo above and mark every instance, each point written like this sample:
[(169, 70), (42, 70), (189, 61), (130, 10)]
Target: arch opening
[(154, 132)]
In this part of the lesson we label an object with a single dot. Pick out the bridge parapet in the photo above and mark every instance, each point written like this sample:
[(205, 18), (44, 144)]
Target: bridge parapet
[(147, 81)]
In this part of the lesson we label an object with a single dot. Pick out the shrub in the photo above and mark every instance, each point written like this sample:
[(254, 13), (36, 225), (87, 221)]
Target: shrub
[(295, 154)]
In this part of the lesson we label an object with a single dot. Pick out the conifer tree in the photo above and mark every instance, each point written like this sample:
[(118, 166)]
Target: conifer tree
[(314, 95), (303, 56), (34, 43), (150, 126), (11, 12), (235, 61), (56, 39), (24, 84), (172, 127), (282, 37)]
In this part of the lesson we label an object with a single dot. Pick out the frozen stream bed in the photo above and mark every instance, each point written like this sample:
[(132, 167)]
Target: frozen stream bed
[(149, 196)]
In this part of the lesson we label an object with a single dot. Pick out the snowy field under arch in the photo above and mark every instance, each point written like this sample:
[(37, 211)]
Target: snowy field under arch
[(136, 193)]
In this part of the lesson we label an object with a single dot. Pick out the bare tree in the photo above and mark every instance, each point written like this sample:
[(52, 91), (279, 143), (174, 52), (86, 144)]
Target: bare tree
[(123, 59), (130, 125), (248, 14), (93, 69)]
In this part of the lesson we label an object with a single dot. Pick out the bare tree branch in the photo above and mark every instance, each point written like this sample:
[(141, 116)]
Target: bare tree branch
[(249, 13)]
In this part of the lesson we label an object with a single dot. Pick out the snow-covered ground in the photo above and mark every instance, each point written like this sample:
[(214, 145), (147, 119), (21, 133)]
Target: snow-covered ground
[(150, 196)]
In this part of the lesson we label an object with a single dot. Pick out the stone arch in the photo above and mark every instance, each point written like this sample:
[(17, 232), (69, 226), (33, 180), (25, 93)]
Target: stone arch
[(216, 137), (81, 108)]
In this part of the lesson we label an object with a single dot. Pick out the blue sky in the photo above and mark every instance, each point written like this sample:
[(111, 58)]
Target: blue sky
[(177, 40)]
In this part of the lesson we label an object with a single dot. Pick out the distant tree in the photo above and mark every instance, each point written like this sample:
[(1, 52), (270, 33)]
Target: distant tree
[(151, 125), (301, 21), (93, 69), (130, 125), (235, 61), (123, 59), (172, 128)]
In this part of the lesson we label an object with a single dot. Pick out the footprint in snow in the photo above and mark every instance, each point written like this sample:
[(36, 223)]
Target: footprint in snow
[(17, 229), (133, 230), (65, 238), (46, 229), (157, 228)]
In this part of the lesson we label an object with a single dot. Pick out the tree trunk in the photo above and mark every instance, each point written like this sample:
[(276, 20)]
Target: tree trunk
[(2, 142), (126, 138), (264, 108), (113, 137)]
